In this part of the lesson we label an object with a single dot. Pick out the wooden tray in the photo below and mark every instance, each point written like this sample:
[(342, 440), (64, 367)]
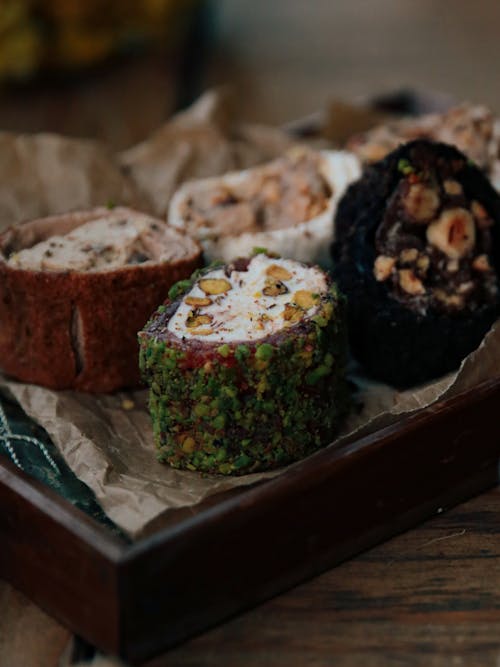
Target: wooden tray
[(138, 599)]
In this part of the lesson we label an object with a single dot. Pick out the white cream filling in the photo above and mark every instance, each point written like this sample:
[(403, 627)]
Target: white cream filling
[(244, 312), (117, 239)]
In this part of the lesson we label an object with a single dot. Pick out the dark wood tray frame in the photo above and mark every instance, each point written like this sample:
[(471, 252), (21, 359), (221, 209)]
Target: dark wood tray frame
[(135, 600)]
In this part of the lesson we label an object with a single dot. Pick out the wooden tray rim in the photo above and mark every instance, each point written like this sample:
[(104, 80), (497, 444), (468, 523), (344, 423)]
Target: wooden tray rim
[(118, 551)]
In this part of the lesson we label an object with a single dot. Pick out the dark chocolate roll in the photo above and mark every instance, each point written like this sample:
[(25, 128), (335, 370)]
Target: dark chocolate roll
[(246, 366), (417, 253)]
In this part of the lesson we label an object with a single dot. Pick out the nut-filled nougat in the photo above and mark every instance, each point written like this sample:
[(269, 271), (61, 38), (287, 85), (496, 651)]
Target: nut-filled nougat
[(286, 206), (245, 365), (417, 254)]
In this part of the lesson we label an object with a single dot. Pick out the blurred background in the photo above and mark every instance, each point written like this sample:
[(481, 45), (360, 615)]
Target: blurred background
[(116, 69)]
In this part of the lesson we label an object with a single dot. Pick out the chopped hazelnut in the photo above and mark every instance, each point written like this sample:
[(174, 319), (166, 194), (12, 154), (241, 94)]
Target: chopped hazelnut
[(481, 263), (455, 300), (452, 188), (478, 210), (383, 267), (463, 288), (408, 255), (481, 215), (410, 283), (423, 263), (454, 233), (421, 202)]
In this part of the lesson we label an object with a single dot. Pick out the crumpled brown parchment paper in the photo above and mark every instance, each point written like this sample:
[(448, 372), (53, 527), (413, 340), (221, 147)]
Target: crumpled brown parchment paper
[(45, 174), (205, 140)]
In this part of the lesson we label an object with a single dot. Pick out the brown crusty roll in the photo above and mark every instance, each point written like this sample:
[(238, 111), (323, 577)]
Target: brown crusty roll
[(75, 289)]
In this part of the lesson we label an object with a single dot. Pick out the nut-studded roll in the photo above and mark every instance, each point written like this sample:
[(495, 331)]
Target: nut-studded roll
[(286, 206), (245, 365), (417, 254), (76, 288)]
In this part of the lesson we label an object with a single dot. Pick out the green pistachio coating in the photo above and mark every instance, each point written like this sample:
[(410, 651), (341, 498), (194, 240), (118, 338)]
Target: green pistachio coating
[(237, 408)]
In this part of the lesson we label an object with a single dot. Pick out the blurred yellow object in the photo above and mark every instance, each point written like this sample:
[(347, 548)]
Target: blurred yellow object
[(79, 46), (19, 51), (68, 34)]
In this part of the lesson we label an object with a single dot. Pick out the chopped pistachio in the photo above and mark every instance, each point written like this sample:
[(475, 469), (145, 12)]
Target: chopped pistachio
[(198, 301), (200, 332), (278, 272), (304, 299), (215, 285), (274, 287), (194, 321), (292, 313)]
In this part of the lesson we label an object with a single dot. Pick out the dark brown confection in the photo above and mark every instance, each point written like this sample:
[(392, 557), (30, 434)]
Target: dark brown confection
[(417, 253), (78, 328)]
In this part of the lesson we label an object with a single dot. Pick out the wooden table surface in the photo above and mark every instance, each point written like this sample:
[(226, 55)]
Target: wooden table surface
[(431, 596), (428, 597)]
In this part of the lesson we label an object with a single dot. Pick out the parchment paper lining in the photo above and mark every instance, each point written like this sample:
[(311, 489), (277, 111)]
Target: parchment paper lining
[(111, 449)]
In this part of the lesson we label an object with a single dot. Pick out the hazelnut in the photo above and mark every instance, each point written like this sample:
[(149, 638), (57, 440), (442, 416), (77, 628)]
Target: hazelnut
[(421, 202), (454, 300), (383, 267), (452, 187), (478, 210), (481, 215), (410, 283), (481, 263), (463, 288), (454, 233), (452, 266), (408, 255), (423, 263)]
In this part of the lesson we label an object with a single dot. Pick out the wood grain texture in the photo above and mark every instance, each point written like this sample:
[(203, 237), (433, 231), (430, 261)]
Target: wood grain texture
[(288, 58), (28, 636), (428, 598), (58, 556)]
